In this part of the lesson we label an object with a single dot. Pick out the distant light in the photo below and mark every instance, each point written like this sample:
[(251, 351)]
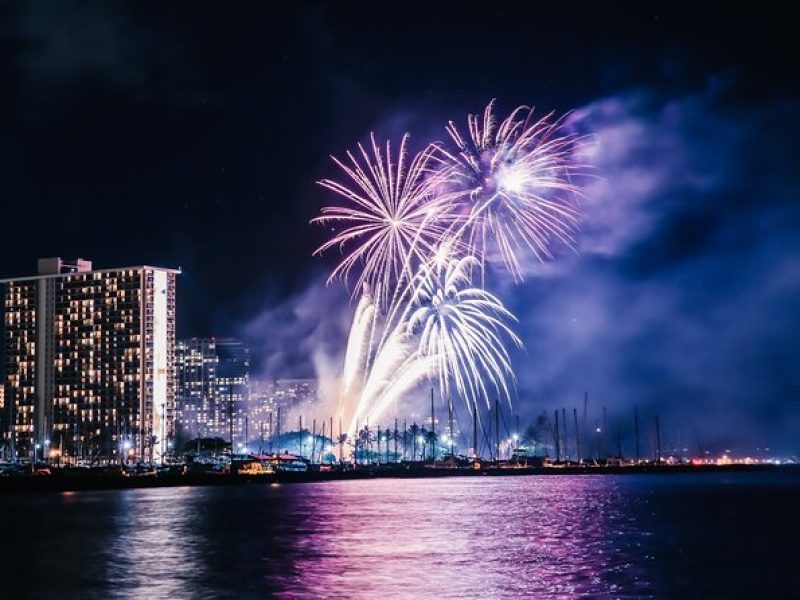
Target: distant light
[(599, 430), (515, 436), (47, 442), (37, 446), (421, 439)]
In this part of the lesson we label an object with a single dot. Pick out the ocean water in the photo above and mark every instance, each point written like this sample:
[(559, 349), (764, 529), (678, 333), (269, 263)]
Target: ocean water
[(599, 536)]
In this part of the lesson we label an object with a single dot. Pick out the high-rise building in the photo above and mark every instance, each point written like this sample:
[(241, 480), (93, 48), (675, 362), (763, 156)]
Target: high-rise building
[(213, 376), (89, 362)]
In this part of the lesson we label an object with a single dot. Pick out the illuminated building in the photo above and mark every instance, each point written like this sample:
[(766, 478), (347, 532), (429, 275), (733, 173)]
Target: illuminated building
[(293, 397), (213, 377), (89, 362)]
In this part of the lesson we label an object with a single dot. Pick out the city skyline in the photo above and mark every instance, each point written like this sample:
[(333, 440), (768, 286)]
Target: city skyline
[(682, 291)]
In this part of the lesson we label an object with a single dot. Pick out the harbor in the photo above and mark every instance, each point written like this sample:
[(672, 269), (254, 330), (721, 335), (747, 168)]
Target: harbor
[(282, 469)]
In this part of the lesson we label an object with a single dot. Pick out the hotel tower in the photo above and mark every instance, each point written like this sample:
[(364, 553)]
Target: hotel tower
[(89, 363)]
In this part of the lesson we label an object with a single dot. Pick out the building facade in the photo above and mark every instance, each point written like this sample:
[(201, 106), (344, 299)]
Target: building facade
[(213, 389), (89, 362)]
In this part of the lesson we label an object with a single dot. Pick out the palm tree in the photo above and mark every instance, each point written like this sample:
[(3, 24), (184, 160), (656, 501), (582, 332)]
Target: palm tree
[(432, 441), (342, 439), (426, 438), (364, 439)]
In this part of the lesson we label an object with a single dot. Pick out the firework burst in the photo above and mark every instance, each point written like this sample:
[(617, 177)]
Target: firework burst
[(462, 328), (416, 232), (392, 219), (449, 332), (511, 185)]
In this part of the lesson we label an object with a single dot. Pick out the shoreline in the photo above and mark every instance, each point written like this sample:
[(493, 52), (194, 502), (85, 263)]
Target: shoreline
[(92, 482)]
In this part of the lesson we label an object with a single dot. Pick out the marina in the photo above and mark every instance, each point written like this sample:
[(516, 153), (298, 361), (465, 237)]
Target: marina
[(104, 478)]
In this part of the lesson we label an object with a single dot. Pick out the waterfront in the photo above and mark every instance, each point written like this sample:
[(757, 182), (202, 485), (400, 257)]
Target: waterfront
[(690, 535)]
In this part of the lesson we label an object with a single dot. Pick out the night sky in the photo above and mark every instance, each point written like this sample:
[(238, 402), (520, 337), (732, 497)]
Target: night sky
[(192, 135)]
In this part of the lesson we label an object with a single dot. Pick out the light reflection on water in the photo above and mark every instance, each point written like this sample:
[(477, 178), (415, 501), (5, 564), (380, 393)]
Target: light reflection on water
[(153, 550), (479, 537), (465, 538)]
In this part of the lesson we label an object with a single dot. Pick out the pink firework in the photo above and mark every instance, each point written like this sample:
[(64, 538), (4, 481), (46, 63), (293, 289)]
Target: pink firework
[(392, 219)]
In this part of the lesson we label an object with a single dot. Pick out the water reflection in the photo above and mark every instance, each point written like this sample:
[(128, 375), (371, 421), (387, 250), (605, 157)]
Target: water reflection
[(398, 538), (485, 537), (152, 548), (479, 537)]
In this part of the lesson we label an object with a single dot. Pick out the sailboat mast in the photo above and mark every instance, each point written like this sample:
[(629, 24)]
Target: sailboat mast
[(557, 436), (475, 431), (497, 428), (433, 429), (450, 418)]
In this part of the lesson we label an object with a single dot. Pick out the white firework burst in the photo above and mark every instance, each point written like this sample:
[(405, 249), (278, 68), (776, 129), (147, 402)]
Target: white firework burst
[(392, 219), (511, 185)]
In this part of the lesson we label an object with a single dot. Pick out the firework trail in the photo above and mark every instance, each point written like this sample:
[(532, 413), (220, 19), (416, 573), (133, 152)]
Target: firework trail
[(457, 334), (461, 328), (358, 351), (392, 218), (511, 185)]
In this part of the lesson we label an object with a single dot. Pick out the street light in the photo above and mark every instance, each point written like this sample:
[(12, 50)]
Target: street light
[(126, 447)]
